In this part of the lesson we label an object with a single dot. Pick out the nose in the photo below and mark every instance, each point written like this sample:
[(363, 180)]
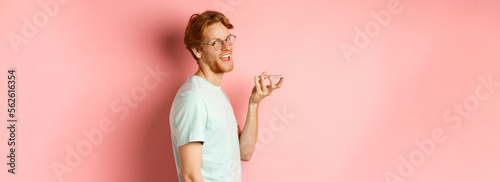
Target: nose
[(225, 46)]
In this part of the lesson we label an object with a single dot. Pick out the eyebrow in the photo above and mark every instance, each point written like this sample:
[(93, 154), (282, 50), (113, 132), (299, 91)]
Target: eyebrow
[(210, 40)]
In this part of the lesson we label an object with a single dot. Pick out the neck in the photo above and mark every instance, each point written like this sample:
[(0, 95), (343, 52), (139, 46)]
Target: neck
[(214, 78)]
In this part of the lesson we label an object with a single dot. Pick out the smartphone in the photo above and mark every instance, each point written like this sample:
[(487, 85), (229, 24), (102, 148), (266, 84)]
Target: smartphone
[(274, 76)]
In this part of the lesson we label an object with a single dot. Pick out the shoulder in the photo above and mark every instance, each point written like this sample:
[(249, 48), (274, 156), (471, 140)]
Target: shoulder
[(187, 103), (189, 97)]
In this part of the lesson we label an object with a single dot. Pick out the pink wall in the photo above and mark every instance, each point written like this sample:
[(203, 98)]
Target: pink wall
[(373, 88)]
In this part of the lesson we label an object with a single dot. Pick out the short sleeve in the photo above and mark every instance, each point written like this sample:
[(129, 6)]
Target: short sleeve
[(190, 118)]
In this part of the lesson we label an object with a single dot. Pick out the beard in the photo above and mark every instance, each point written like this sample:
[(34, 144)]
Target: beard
[(217, 66)]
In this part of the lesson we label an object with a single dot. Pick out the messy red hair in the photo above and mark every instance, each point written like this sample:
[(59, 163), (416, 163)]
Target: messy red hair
[(195, 30)]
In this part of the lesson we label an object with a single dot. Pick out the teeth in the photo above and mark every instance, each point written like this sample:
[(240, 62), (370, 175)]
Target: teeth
[(225, 56)]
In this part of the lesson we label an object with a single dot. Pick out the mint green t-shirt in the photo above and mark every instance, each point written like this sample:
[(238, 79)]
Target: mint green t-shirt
[(201, 112)]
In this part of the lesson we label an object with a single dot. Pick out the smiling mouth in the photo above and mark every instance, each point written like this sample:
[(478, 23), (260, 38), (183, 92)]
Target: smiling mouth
[(225, 58)]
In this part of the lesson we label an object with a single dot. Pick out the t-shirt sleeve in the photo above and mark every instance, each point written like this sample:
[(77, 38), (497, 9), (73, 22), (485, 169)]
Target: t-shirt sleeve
[(190, 118)]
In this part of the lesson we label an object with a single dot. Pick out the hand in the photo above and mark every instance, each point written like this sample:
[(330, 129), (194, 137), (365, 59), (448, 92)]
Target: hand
[(261, 90)]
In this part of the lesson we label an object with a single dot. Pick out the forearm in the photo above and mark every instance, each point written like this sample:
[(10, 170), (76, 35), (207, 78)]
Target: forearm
[(248, 137)]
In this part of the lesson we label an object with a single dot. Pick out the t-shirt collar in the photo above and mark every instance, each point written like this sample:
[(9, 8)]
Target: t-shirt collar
[(205, 82)]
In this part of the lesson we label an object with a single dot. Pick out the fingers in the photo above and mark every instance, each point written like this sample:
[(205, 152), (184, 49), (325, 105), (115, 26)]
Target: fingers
[(280, 83), (262, 88), (275, 86), (257, 85), (271, 83), (262, 84)]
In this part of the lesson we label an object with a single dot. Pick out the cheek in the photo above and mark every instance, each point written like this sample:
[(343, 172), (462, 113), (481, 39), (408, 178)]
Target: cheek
[(213, 55), (209, 54)]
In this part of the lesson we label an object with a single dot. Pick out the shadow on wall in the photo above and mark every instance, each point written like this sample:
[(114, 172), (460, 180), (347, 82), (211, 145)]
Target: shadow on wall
[(169, 50)]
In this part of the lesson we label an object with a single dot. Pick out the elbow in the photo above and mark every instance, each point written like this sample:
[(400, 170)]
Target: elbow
[(190, 177), (246, 156), (246, 159), (186, 178)]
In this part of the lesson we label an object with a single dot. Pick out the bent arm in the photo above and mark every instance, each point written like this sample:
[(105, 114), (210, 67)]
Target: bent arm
[(248, 137), (190, 157)]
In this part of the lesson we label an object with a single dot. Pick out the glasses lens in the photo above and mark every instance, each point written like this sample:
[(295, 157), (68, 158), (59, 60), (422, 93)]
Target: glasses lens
[(231, 39), (217, 45)]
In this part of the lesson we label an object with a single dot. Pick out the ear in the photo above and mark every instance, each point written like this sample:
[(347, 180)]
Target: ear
[(196, 52)]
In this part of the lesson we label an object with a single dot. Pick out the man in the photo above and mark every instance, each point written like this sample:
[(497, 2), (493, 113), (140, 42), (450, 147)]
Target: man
[(207, 141)]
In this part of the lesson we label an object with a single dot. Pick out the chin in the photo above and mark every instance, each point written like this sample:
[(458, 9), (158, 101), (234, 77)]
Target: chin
[(223, 67), (218, 66), (229, 70), (231, 67)]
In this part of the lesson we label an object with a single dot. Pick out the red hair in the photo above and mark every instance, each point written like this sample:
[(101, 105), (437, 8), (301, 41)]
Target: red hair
[(195, 29)]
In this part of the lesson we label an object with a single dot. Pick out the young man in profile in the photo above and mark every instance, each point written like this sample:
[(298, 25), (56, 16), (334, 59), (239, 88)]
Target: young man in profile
[(207, 141)]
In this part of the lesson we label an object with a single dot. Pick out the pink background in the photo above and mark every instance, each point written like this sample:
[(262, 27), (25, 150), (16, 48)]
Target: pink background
[(334, 119)]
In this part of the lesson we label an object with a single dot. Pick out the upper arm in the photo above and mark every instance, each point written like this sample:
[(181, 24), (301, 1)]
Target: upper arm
[(190, 158)]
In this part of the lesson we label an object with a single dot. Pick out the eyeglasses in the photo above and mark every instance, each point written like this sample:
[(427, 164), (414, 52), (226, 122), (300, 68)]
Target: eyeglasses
[(218, 43)]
